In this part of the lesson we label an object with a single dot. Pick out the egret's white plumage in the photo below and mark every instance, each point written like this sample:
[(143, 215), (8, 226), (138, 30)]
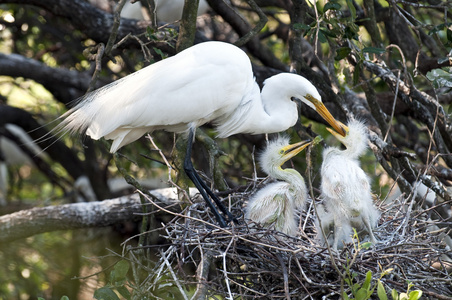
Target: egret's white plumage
[(167, 11), (278, 203), (209, 82), (345, 187)]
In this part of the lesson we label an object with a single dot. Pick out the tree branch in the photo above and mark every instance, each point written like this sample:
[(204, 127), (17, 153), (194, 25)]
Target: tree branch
[(242, 27), (64, 84), (37, 220), (55, 148), (423, 106)]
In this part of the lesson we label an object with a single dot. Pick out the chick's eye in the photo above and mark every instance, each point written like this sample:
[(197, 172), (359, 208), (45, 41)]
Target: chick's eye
[(281, 152)]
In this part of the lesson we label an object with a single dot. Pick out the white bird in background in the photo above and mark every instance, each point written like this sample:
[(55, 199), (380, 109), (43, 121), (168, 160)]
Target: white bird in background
[(12, 155), (277, 203), (166, 11), (345, 188), (209, 82)]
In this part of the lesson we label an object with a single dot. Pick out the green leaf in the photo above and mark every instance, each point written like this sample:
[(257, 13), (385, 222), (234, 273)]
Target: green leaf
[(352, 8), (159, 52), (381, 292), (124, 292), (394, 294), (105, 293), (120, 270), (342, 53), (351, 31), (440, 77), (443, 60), (374, 50), (366, 284), (64, 298), (322, 37), (357, 73), (361, 294), (299, 26), (345, 296), (150, 33), (366, 245), (327, 32), (331, 5), (449, 34), (415, 295), (436, 29)]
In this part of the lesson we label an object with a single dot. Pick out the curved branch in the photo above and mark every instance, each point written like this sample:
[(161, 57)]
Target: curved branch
[(242, 27), (37, 220), (64, 84), (92, 21), (55, 148)]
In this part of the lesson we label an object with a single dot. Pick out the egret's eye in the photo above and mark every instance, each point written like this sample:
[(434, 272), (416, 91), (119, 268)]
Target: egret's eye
[(281, 152), (313, 99)]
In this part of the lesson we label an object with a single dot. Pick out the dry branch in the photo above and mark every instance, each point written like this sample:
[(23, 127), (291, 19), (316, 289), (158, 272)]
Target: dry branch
[(37, 220)]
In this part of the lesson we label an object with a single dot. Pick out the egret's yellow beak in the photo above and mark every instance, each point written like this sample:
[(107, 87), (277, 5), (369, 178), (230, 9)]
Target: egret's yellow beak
[(337, 134), (290, 151), (323, 111)]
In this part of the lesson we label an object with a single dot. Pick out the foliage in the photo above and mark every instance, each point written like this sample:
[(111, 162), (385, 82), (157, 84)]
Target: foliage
[(441, 77), (367, 291)]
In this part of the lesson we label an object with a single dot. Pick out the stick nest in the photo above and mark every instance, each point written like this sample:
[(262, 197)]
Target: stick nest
[(247, 261)]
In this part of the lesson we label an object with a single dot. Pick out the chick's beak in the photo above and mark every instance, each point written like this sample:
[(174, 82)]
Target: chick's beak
[(290, 151), (323, 111), (339, 135)]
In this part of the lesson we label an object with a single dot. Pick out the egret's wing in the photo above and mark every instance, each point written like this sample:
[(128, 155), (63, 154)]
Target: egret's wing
[(189, 89), (267, 205)]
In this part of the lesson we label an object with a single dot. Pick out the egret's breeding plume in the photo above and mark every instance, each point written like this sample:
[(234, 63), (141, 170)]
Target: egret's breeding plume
[(278, 203), (209, 82), (345, 188)]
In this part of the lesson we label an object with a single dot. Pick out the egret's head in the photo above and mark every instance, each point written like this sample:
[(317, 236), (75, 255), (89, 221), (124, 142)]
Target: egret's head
[(301, 89), (278, 152), (355, 137)]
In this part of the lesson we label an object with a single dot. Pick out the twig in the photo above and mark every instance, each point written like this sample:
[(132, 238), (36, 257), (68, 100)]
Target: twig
[(225, 271), (285, 276), (170, 168), (176, 280)]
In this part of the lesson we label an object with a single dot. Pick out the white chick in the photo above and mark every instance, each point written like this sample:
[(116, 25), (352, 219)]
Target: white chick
[(277, 203), (345, 188)]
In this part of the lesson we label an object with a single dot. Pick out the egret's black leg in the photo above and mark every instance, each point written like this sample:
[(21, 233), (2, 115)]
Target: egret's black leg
[(202, 186)]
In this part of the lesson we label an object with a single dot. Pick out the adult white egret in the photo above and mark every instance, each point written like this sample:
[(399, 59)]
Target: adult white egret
[(209, 82), (345, 187), (167, 11), (277, 203)]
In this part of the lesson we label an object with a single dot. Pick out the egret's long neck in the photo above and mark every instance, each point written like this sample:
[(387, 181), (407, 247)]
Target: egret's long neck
[(260, 112), (272, 112), (292, 177)]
